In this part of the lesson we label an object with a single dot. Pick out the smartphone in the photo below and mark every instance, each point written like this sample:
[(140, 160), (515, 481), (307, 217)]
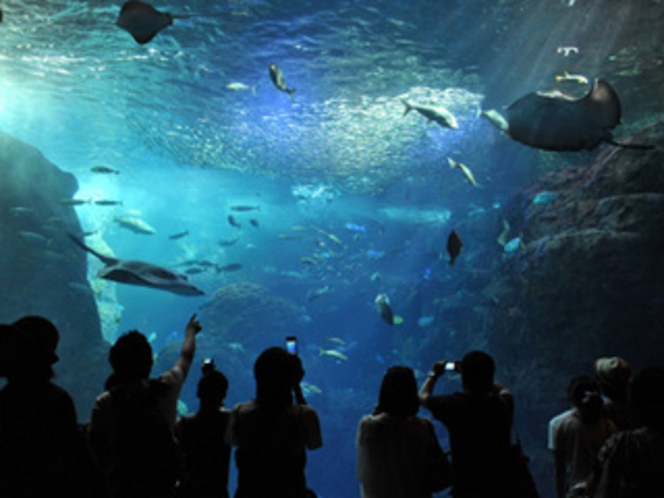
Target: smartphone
[(451, 366), (291, 344)]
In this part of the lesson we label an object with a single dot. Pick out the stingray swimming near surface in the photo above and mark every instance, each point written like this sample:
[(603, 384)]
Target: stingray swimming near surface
[(142, 274), (559, 122), (142, 21)]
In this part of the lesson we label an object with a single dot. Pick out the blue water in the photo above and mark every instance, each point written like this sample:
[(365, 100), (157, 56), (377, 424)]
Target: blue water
[(341, 155)]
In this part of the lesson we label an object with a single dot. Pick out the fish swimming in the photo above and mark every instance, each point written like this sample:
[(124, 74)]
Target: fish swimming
[(142, 21), (575, 78), (558, 122), (439, 115), (454, 245), (233, 222), (107, 202), (105, 170), (141, 274), (240, 87), (241, 208), (279, 81), (333, 353), (136, 225), (229, 267), (464, 169), (179, 235), (496, 119), (385, 310)]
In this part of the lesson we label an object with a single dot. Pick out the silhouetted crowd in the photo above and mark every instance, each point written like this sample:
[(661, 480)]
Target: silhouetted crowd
[(609, 444)]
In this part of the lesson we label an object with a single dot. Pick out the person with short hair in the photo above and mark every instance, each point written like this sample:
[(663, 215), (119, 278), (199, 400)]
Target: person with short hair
[(41, 449), (479, 421), (575, 437), (131, 431)]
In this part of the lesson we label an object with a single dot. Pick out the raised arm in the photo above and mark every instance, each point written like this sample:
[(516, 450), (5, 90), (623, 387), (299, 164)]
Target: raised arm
[(437, 369), (188, 350)]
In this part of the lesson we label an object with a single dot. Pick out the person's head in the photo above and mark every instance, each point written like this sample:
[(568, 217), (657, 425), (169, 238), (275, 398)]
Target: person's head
[(131, 357), (398, 393), (38, 338), (212, 388), (647, 397), (277, 372), (477, 371), (584, 395), (613, 375)]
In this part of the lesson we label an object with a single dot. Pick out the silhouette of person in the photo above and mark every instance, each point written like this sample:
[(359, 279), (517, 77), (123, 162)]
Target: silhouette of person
[(131, 430), (614, 375), (478, 420), (396, 450), (631, 462), (40, 446), (201, 435), (575, 437), (272, 433)]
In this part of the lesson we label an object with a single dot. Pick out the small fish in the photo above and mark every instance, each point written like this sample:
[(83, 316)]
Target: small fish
[(21, 210), (514, 245), (313, 294), (454, 245), (233, 222), (332, 353), (439, 115), (577, 78), (545, 197), (229, 267), (243, 208), (194, 271), (178, 235), (496, 119), (336, 340), (279, 81), (354, 227), (240, 87), (385, 310), (464, 169), (254, 223), (308, 261), (106, 202), (310, 389), (502, 238), (425, 321), (136, 225), (34, 237), (105, 170), (74, 202), (229, 242)]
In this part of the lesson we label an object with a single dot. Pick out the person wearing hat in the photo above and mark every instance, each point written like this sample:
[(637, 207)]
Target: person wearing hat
[(630, 463), (614, 375), (40, 444)]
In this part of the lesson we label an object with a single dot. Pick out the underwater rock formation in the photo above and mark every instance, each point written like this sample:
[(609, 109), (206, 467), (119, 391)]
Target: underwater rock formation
[(250, 316), (41, 272), (588, 283)]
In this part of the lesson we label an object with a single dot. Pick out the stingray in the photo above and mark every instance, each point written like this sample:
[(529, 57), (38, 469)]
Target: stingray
[(559, 122), (143, 21), (142, 274)]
